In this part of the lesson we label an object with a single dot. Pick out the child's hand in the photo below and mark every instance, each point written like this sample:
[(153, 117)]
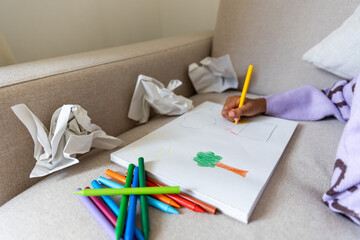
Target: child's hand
[(251, 107)]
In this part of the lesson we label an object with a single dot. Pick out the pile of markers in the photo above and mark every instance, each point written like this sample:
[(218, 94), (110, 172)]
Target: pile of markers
[(136, 186)]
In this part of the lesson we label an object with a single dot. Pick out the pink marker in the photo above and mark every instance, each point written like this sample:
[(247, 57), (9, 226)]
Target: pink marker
[(104, 209), (100, 218)]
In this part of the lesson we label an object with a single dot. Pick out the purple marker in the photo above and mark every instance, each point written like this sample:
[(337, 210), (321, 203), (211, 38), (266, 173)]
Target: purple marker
[(104, 209), (100, 218)]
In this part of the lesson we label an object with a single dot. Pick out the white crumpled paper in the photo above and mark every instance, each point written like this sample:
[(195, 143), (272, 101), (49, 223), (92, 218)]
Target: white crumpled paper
[(150, 92), (215, 75), (71, 132)]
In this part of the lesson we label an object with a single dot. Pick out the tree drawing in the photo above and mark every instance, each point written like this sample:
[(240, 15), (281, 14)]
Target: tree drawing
[(209, 159)]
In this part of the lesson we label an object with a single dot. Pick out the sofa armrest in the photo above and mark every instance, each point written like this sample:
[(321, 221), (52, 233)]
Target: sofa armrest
[(101, 81)]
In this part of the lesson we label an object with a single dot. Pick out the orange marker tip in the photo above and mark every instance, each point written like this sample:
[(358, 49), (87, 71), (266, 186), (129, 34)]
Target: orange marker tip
[(175, 205)]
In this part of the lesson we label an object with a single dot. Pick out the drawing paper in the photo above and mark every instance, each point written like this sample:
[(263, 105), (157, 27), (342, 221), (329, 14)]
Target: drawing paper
[(212, 159)]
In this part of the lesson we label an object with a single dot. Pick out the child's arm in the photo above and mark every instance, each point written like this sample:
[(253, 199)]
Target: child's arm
[(304, 103), (310, 103)]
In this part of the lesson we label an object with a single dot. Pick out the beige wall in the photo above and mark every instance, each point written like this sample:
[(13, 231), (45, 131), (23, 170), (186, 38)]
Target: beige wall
[(6, 55), (39, 29), (186, 16)]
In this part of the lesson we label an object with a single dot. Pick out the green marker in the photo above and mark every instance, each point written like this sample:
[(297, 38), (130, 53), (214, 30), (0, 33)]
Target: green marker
[(143, 201), (119, 229), (128, 191)]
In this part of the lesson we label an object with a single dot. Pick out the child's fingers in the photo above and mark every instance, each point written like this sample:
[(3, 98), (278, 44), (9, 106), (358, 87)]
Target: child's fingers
[(245, 110), (251, 107), (235, 114), (230, 104), (225, 114)]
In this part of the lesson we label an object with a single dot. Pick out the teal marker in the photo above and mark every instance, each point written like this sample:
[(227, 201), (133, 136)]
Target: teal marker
[(151, 201), (107, 199)]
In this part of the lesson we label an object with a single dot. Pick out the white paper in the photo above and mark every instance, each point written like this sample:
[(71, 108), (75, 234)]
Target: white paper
[(71, 132), (150, 92), (255, 146), (215, 75)]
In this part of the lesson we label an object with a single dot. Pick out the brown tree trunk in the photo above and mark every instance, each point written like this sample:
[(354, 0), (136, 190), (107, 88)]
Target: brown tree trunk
[(235, 170)]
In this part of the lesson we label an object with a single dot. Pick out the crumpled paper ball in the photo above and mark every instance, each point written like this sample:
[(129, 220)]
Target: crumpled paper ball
[(71, 132), (215, 75), (149, 92)]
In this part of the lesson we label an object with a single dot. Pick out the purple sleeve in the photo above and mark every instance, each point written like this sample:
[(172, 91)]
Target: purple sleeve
[(342, 101), (310, 103), (344, 194)]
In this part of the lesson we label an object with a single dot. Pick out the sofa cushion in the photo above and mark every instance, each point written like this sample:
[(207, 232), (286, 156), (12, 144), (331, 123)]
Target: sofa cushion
[(339, 53), (290, 207), (273, 36)]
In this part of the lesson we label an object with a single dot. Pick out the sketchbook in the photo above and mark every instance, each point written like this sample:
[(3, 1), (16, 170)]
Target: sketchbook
[(212, 159)]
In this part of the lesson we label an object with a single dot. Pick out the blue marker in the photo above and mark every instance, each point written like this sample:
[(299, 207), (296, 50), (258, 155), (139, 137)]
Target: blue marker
[(115, 208), (107, 199), (151, 201), (130, 220)]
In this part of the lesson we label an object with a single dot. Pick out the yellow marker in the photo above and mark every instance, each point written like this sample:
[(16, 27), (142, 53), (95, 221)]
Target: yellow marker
[(245, 87), (244, 121)]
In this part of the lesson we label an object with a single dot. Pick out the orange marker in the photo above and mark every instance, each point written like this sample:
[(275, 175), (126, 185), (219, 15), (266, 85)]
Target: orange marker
[(115, 175), (186, 200), (160, 197)]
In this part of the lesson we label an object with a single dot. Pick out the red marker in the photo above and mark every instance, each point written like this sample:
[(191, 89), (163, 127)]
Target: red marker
[(182, 201), (207, 207), (186, 203)]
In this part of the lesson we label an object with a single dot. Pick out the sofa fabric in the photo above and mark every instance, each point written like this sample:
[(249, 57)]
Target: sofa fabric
[(273, 36), (290, 207), (101, 82)]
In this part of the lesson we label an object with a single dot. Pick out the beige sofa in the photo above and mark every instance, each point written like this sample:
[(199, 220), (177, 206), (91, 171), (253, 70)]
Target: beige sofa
[(271, 35)]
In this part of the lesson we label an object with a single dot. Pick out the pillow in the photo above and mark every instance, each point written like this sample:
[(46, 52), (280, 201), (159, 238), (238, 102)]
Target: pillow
[(339, 53)]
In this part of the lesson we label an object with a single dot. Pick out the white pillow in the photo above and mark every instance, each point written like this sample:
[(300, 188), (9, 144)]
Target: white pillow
[(339, 53)]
